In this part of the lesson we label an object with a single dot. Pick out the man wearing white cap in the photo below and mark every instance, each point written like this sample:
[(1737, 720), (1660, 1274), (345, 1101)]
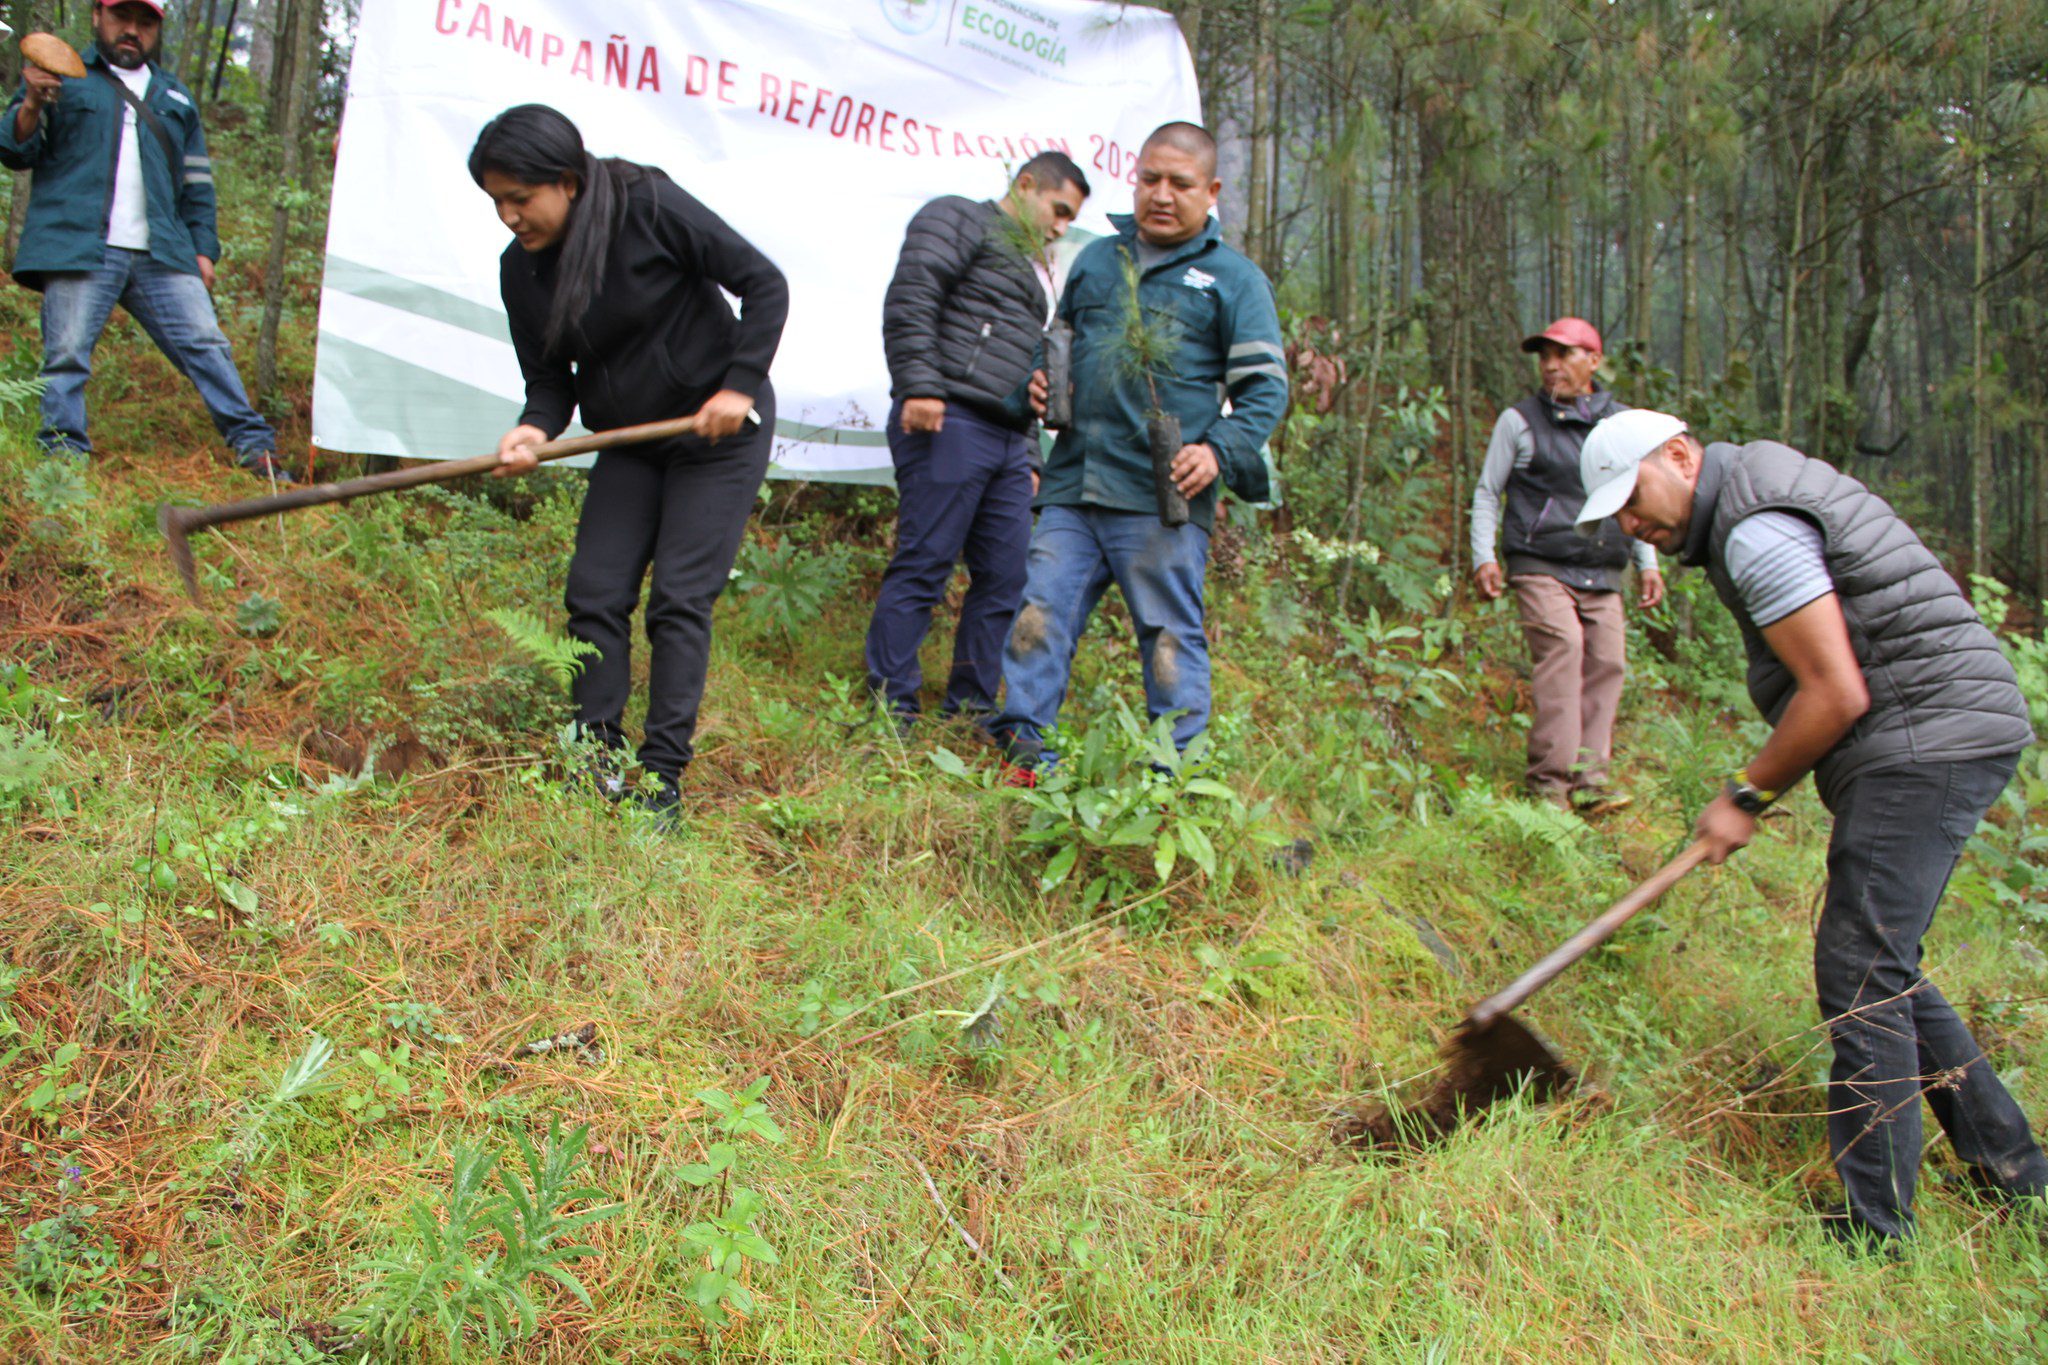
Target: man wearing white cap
[(1878, 677), (1567, 586)]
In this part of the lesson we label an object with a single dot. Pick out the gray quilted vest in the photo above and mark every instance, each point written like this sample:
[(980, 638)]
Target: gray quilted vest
[(1940, 689), (1539, 530)]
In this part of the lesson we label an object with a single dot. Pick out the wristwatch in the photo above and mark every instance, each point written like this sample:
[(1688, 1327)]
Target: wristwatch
[(1746, 797)]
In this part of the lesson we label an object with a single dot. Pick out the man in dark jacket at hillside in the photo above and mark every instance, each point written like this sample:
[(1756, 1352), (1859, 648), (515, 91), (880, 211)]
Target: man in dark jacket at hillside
[(960, 324), (122, 211), (1211, 312), (1567, 586), (1877, 676)]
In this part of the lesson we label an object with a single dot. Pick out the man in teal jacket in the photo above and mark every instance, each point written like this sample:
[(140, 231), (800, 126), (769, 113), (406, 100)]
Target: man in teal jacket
[(1215, 334), (122, 211)]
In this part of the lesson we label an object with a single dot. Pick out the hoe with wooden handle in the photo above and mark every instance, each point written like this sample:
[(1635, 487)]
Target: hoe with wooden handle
[(1491, 1055), (178, 523)]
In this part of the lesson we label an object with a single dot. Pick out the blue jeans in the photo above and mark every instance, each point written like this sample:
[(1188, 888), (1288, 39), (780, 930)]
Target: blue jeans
[(1898, 834), (962, 491), (176, 311), (1076, 553)]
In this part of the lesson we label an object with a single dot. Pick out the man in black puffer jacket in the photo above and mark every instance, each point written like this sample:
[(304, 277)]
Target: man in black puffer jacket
[(961, 326)]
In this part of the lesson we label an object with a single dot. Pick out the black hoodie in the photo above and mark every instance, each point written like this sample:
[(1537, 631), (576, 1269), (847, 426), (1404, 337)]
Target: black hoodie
[(659, 337)]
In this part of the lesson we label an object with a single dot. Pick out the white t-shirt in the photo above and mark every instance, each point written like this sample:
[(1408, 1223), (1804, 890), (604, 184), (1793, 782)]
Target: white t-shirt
[(128, 223)]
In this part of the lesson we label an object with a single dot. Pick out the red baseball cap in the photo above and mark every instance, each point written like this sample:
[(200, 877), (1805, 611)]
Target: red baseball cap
[(1567, 332), (157, 5)]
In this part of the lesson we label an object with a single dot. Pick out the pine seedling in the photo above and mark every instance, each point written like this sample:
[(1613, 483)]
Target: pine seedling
[(1146, 346)]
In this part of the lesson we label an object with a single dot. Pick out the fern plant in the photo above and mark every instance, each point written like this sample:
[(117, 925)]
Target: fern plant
[(17, 394), (560, 656)]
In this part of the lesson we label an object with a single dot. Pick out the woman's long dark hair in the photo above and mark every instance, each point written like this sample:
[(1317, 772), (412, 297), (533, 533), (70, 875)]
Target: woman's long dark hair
[(536, 145)]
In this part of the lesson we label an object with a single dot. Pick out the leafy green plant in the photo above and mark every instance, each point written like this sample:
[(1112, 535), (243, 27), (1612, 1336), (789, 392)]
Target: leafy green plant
[(1122, 802), (728, 1239), (26, 759), (258, 616), (1240, 979), (784, 588), (64, 1256), (422, 1019), (386, 1083), (58, 487), (559, 656), (818, 1003), (466, 1264), (48, 1088)]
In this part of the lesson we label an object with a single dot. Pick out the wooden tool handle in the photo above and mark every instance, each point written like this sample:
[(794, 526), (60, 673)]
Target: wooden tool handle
[(1588, 938), (192, 518)]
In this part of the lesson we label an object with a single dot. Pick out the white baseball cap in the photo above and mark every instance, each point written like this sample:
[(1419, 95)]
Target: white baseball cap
[(1614, 452)]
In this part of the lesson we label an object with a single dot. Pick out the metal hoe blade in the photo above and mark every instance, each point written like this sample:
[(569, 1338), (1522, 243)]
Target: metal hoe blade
[(180, 547), (1483, 1064), (1492, 1055)]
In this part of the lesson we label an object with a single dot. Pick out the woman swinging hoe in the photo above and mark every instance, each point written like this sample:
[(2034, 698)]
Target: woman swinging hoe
[(611, 286)]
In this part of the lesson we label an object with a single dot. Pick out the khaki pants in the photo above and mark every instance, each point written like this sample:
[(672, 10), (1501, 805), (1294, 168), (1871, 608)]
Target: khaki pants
[(1577, 657)]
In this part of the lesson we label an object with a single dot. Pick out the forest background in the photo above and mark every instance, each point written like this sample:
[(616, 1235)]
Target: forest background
[(875, 1059)]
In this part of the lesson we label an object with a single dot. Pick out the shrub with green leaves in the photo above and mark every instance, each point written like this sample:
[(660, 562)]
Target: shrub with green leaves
[(784, 588), (1122, 803)]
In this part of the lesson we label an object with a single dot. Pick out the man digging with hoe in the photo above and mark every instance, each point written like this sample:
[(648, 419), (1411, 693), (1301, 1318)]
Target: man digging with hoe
[(1878, 677)]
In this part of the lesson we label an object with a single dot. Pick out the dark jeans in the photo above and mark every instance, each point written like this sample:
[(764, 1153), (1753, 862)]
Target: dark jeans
[(962, 491), (679, 507), (1898, 834), (176, 311)]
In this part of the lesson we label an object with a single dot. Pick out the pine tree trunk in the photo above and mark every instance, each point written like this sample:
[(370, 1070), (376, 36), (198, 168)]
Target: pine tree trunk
[(35, 16), (1980, 398), (304, 34), (263, 36), (1258, 227)]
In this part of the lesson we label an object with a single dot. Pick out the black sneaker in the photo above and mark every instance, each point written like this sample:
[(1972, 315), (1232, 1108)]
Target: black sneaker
[(1857, 1237), (659, 799), (602, 775), (265, 466)]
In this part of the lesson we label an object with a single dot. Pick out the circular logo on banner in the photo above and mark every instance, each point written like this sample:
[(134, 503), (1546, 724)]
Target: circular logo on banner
[(912, 16)]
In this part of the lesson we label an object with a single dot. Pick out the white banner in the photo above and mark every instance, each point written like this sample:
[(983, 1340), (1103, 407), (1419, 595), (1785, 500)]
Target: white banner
[(815, 127)]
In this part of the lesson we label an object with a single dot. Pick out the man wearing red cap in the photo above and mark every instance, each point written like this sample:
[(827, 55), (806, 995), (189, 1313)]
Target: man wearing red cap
[(1567, 585), (122, 211)]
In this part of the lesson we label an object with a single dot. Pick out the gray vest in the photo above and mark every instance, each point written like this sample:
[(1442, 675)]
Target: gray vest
[(1539, 531), (1940, 689)]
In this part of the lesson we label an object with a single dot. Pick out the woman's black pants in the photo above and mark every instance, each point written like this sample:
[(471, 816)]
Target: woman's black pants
[(680, 509)]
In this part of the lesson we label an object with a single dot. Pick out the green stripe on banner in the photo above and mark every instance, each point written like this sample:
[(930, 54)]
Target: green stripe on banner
[(424, 412), (829, 436), (410, 296)]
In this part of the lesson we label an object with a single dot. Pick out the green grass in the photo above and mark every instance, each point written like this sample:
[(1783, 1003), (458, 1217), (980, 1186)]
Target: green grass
[(1141, 1156)]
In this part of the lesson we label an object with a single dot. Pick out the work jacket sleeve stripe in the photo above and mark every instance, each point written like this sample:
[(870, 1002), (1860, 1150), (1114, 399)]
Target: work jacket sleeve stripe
[(196, 203), (1258, 390)]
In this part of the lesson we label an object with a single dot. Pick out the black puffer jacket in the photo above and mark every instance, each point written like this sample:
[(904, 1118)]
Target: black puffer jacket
[(965, 311)]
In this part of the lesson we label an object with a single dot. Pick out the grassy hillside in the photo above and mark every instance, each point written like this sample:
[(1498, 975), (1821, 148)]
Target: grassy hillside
[(292, 878)]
